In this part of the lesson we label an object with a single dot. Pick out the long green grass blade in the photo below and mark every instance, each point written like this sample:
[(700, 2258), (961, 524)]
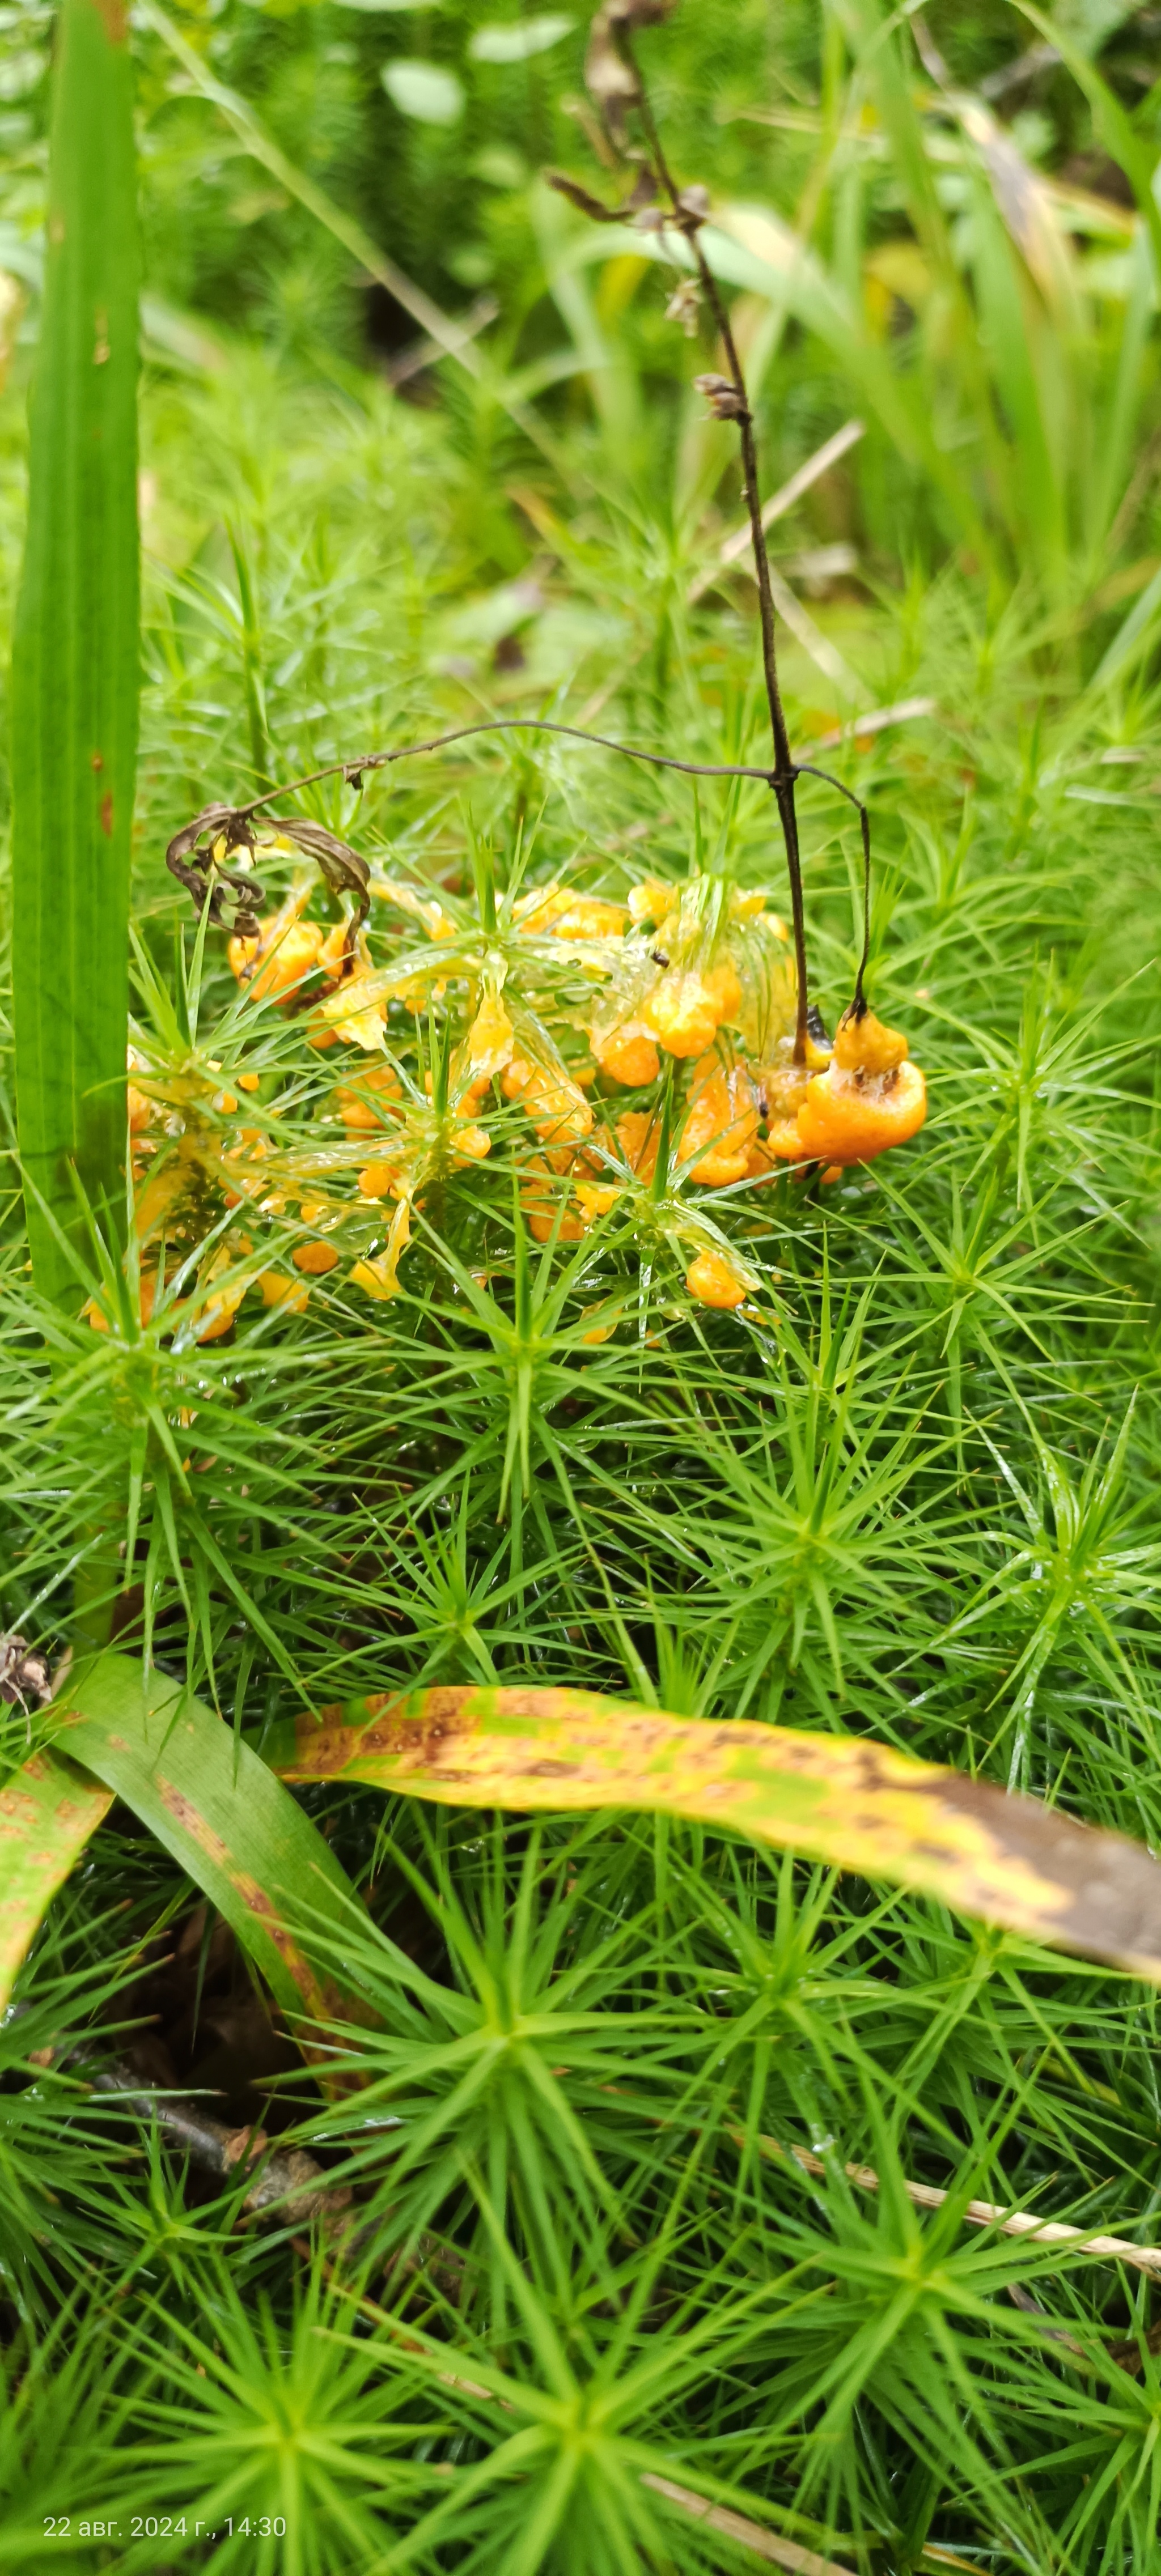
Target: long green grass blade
[(75, 677), (49, 1810), (839, 1799), (1131, 636), (1111, 122), (225, 1819)]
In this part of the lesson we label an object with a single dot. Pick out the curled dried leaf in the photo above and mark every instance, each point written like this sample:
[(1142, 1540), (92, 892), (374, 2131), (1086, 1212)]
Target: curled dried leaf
[(207, 875), (23, 1674), (344, 870)]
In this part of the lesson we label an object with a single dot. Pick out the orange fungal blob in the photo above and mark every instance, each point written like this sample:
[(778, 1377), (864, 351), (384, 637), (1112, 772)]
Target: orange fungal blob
[(713, 1282), (315, 1259), (870, 1097), (721, 1125), (628, 1054), (683, 1013)]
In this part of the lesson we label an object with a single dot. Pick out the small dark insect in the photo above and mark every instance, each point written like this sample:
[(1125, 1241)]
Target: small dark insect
[(659, 957), (23, 1674)]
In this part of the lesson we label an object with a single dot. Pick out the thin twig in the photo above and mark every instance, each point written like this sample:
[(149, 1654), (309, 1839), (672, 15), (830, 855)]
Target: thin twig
[(288, 2184), (424, 353), (353, 770), (977, 2213), (876, 720), (736, 2526), (813, 641), (782, 777), (223, 819), (291, 2184), (806, 769)]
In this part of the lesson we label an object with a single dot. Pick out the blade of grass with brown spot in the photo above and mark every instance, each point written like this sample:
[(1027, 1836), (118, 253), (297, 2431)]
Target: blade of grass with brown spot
[(49, 1810), (226, 1820), (838, 1799), (76, 654)]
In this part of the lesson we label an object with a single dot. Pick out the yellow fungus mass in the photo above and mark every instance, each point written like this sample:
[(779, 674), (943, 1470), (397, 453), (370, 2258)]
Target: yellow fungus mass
[(683, 1012), (851, 1117), (516, 1073), (653, 899), (220, 1307), (571, 916), (380, 1179), (292, 1295), (472, 1142), (489, 1039), (721, 1126), (684, 993), (713, 1282), (315, 1259), (864, 1045), (557, 1107), (722, 980), (360, 1108), (639, 1135), (628, 1054), (379, 1276), (541, 1204), (275, 963), (869, 1098), (146, 1294), (595, 1198), (363, 1023)]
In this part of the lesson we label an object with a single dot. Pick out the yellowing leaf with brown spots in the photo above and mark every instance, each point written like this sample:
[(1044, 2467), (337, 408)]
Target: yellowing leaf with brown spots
[(843, 1800), (48, 1811), (840, 1799)]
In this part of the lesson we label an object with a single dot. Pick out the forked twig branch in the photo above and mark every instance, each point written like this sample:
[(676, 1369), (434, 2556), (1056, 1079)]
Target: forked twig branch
[(206, 880)]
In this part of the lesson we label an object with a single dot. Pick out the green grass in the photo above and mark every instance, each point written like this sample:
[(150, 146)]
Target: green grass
[(922, 1506), (74, 658)]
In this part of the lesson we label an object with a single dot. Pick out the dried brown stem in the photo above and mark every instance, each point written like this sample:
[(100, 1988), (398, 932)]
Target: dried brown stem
[(290, 2185), (782, 778), (978, 2213)]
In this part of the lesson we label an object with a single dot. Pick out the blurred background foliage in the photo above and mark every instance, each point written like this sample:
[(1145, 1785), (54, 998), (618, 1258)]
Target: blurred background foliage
[(926, 229)]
